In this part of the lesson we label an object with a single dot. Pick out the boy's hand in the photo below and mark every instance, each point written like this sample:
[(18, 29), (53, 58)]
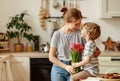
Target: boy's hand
[(74, 65), (97, 52)]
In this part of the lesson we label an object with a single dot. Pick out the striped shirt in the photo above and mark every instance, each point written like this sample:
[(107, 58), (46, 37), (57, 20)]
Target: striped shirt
[(92, 67)]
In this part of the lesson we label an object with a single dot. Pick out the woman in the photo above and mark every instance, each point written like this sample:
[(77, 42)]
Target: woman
[(61, 40)]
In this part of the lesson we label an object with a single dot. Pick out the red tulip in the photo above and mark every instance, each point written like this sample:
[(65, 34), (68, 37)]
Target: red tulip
[(77, 47), (76, 51)]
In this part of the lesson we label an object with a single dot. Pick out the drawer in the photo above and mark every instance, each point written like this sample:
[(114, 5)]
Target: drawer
[(105, 70), (109, 61)]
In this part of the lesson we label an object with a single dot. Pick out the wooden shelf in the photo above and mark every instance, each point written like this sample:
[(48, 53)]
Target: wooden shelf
[(4, 49), (5, 44)]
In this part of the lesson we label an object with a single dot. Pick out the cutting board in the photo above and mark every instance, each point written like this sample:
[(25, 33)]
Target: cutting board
[(103, 79), (99, 79)]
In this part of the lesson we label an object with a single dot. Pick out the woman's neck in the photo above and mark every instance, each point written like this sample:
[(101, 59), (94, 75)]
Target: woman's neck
[(66, 29)]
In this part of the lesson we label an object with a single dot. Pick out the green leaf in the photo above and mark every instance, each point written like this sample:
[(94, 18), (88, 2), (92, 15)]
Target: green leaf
[(19, 26)]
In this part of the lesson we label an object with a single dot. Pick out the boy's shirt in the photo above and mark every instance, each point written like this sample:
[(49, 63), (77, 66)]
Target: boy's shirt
[(89, 50)]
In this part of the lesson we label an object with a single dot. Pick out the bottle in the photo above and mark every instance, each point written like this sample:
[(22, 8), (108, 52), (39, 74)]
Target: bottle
[(29, 47)]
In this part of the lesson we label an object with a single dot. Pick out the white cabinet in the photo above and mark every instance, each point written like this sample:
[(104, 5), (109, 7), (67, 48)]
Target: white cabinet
[(20, 67), (110, 8), (109, 62), (1, 69), (5, 69)]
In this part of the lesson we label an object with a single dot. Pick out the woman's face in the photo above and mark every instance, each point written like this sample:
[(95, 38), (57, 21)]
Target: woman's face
[(75, 25)]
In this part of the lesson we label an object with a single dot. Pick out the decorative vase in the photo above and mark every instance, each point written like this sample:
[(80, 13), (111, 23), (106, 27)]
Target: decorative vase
[(18, 47)]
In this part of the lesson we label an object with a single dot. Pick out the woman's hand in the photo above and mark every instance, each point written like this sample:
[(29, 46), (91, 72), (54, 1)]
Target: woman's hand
[(70, 69)]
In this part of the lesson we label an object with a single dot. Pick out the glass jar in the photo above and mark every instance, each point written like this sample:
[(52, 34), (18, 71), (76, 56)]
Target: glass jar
[(30, 47)]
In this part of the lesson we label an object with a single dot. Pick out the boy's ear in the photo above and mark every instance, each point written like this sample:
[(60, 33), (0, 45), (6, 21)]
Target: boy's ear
[(89, 33)]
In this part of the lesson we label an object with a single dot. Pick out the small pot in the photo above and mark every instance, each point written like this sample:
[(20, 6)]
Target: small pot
[(18, 47)]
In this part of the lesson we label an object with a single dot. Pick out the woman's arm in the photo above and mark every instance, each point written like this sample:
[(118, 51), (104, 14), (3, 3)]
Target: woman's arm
[(56, 61)]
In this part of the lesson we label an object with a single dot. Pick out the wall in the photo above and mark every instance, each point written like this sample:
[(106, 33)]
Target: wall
[(109, 27), (90, 8)]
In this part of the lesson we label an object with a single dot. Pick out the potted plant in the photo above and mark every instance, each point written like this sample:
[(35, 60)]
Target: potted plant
[(18, 28)]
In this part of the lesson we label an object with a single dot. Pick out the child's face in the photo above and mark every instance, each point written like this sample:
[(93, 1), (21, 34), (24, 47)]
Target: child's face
[(84, 33)]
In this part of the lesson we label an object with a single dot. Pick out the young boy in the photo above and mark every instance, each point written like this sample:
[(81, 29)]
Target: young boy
[(90, 31)]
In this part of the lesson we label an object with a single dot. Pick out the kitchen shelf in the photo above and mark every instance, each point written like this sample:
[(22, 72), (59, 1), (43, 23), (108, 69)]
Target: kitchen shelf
[(4, 43), (4, 49)]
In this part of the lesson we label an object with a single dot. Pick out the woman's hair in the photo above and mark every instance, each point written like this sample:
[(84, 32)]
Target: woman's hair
[(71, 15), (93, 28)]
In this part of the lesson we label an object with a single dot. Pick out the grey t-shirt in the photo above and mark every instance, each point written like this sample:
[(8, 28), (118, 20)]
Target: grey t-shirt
[(63, 41)]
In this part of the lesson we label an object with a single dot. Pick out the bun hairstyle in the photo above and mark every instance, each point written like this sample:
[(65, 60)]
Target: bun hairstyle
[(71, 14), (64, 10)]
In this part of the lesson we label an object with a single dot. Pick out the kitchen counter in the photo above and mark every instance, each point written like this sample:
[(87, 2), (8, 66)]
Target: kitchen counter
[(25, 54), (45, 55), (99, 79), (110, 53), (3, 57), (18, 62)]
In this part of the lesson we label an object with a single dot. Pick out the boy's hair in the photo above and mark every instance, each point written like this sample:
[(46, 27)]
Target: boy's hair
[(93, 28)]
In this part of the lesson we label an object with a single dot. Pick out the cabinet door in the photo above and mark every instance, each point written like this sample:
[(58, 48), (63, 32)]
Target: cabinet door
[(20, 68), (5, 70), (110, 8), (109, 69), (1, 69), (3, 73)]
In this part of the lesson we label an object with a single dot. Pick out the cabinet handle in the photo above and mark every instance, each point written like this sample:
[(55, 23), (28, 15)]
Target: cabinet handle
[(115, 16), (115, 59)]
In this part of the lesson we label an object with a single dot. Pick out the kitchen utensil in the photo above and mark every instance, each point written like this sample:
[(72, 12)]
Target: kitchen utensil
[(55, 4), (47, 47), (42, 15), (71, 3), (47, 9)]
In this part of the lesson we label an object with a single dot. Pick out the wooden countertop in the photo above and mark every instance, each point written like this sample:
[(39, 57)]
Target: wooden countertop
[(25, 54), (110, 53), (99, 79), (45, 55)]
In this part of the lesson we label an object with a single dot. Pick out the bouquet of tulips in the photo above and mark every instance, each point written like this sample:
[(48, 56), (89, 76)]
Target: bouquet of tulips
[(76, 52)]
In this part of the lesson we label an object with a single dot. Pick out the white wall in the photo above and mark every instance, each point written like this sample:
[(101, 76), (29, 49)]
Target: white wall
[(90, 8), (109, 27)]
